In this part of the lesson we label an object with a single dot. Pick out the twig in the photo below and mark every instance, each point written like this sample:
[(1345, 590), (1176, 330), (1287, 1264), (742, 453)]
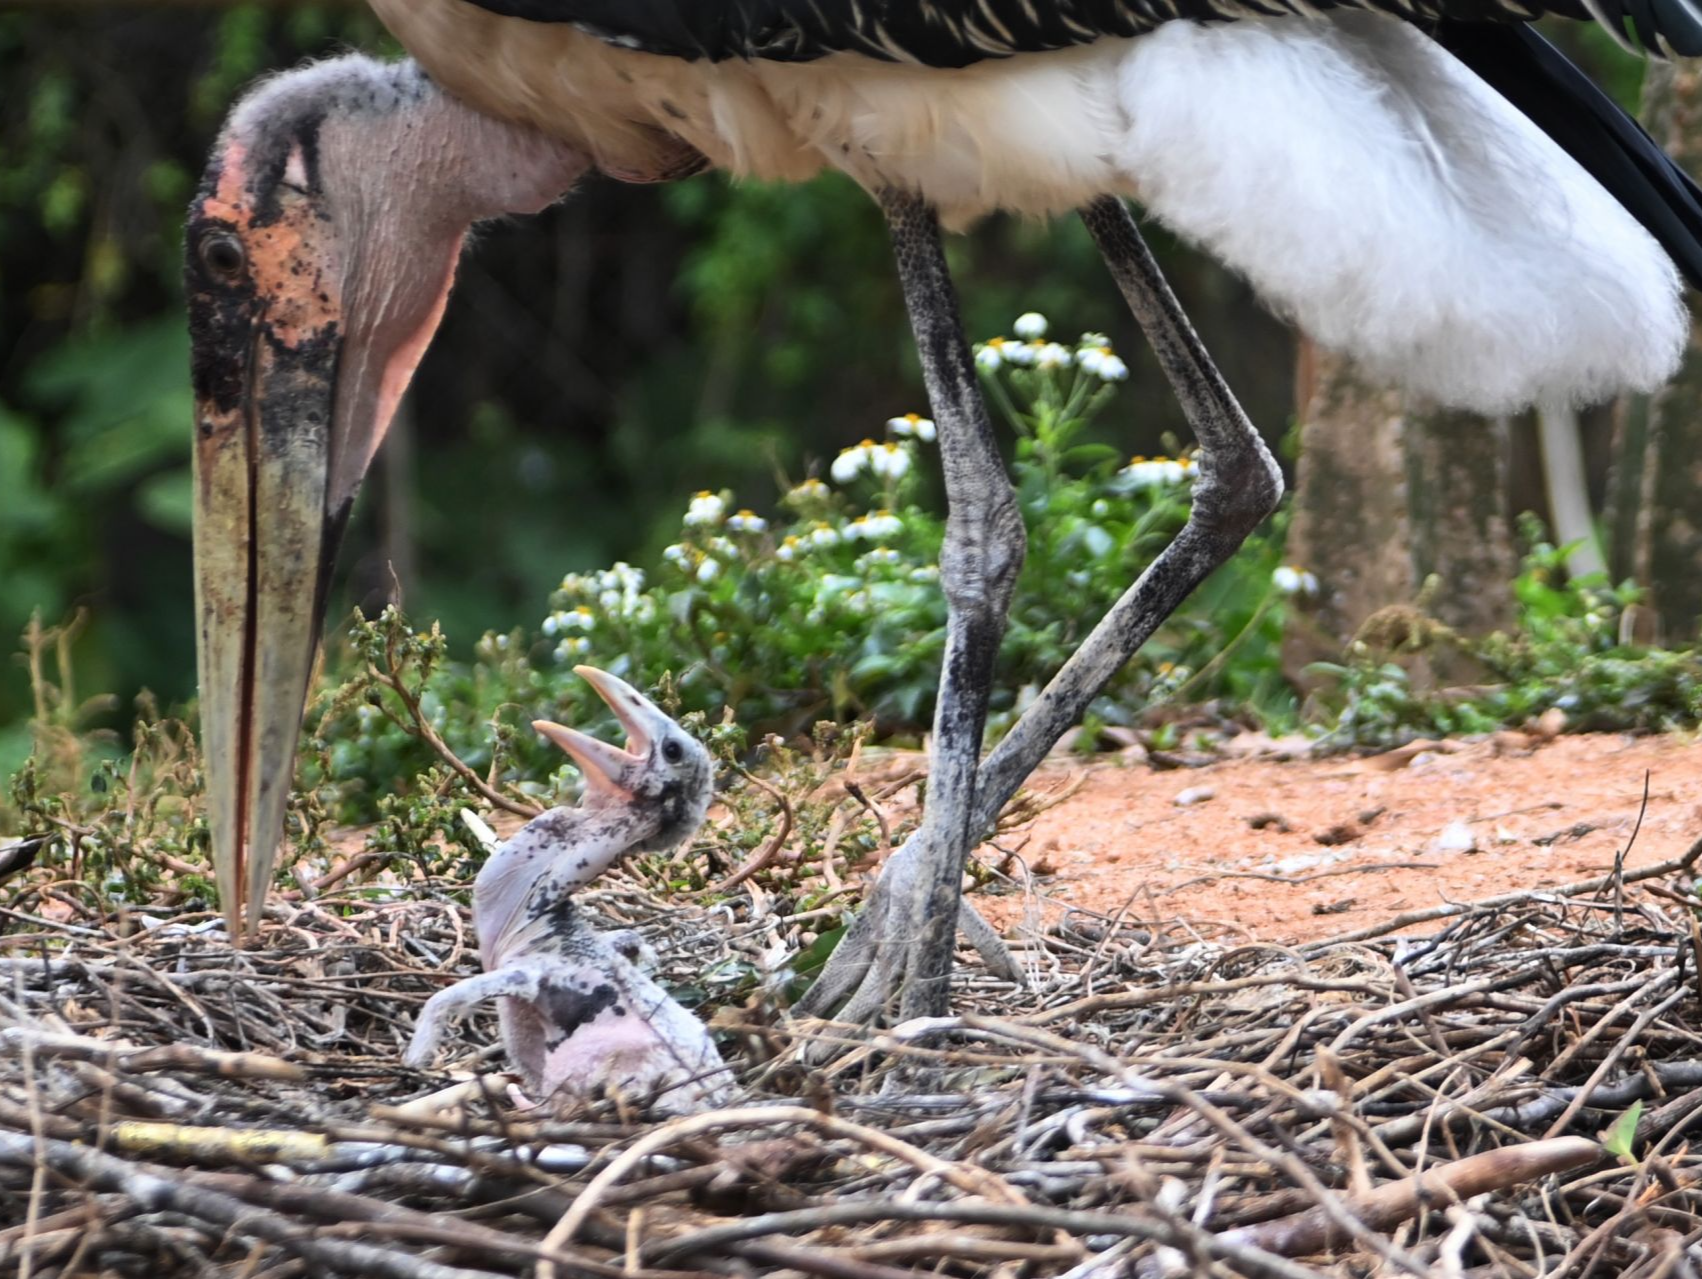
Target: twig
[(857, 793), (152, 1193), (752, 1116), (164, 1057), (1314, 1231), (1671, 866), (422, 726), (767, 853), (1033, 1216)]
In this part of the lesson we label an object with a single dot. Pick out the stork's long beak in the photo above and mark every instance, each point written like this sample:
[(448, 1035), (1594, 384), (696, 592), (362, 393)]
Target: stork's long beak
[(274, 481), (608, 769), (263, 548), (264, 541)]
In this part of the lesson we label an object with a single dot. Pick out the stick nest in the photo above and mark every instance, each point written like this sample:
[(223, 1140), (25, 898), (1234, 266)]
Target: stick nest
[(1156, 1103)]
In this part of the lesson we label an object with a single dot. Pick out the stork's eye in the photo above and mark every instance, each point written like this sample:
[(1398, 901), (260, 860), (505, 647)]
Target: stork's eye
[(222, 255), (672, 751)]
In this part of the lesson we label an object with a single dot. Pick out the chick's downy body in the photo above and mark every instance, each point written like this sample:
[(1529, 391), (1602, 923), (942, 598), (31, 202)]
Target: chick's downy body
[(579, 1016)]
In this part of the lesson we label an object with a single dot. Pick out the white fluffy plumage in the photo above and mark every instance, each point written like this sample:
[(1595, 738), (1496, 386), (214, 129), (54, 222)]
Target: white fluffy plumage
[(1370, 187), (1398, 209)]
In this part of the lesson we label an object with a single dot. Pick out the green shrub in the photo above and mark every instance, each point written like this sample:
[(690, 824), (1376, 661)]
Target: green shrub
[(1569, 651)]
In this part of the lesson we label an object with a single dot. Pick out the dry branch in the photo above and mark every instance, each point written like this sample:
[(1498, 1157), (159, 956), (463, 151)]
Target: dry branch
[(153, 1193), (1313, 1231)]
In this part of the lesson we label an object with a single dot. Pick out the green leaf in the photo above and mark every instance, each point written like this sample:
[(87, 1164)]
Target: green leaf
[(813, 956), (1086, 455), (1618, 1137)]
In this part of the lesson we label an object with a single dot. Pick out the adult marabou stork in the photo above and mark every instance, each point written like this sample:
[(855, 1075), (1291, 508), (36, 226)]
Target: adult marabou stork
[(1424, 184)]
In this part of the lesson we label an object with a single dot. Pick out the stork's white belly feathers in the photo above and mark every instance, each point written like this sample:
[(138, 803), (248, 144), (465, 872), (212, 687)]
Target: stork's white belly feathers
[(1370, 187)]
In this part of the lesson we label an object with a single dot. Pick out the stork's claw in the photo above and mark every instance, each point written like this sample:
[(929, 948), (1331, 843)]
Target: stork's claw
[(868, 967)]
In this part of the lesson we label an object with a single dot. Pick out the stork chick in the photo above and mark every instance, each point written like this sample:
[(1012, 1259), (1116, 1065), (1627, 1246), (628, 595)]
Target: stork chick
[(578, 1017)]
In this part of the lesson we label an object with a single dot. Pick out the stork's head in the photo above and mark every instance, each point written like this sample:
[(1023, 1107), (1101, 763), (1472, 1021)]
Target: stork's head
[(320, 253), (664, 776)]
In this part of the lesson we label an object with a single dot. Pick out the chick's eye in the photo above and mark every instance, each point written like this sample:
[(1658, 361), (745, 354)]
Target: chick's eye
[(672, 751), (223, 256)]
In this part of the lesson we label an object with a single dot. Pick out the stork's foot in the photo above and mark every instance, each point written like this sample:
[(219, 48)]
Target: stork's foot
[(867, 970)]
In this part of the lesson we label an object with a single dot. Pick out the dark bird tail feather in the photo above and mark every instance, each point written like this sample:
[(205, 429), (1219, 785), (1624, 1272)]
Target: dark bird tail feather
[(1590, 127)]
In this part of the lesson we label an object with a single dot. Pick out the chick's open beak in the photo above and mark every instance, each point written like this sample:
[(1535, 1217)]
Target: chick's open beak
[(609, 770)]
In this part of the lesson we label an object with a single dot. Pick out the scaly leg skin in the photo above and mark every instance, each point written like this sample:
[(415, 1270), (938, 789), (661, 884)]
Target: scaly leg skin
[(1239, 484), (911, 918), (453, 1003)]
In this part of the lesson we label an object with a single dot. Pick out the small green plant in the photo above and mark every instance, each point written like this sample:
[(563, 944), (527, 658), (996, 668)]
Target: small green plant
[(122, 820), (1567, 651)]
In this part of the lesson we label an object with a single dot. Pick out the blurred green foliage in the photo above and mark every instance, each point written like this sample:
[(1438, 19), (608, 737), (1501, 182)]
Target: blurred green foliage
[(1570, 650)]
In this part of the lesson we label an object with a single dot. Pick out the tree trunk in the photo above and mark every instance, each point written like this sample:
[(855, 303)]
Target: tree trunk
[(1349, 527), (1457, 509), (1386, 495), (1667, 554)]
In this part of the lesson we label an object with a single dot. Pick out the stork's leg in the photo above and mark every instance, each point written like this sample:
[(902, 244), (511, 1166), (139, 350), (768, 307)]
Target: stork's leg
[(1239, 484), (910, 921)]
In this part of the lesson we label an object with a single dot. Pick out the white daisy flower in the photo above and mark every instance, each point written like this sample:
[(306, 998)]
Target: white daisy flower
[(1053, 356), (1147, 472), (889, 461), (810, 490), (851, 463), (709, 570), (1030, 325), (990, 355), (876, 526), (823, 535), (571, 647), (912, 426), (705, 508), (1112, 369), (1291, 579)]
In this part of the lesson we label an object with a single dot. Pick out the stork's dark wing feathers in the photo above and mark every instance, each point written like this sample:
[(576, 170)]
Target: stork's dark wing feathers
[(954, 33)]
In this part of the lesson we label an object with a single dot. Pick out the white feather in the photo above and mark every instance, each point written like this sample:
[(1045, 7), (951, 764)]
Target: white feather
[(1396, 208), (1369, 186)]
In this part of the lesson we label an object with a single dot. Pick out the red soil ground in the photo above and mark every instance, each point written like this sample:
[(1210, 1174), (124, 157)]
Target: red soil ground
[(1290, 850)]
